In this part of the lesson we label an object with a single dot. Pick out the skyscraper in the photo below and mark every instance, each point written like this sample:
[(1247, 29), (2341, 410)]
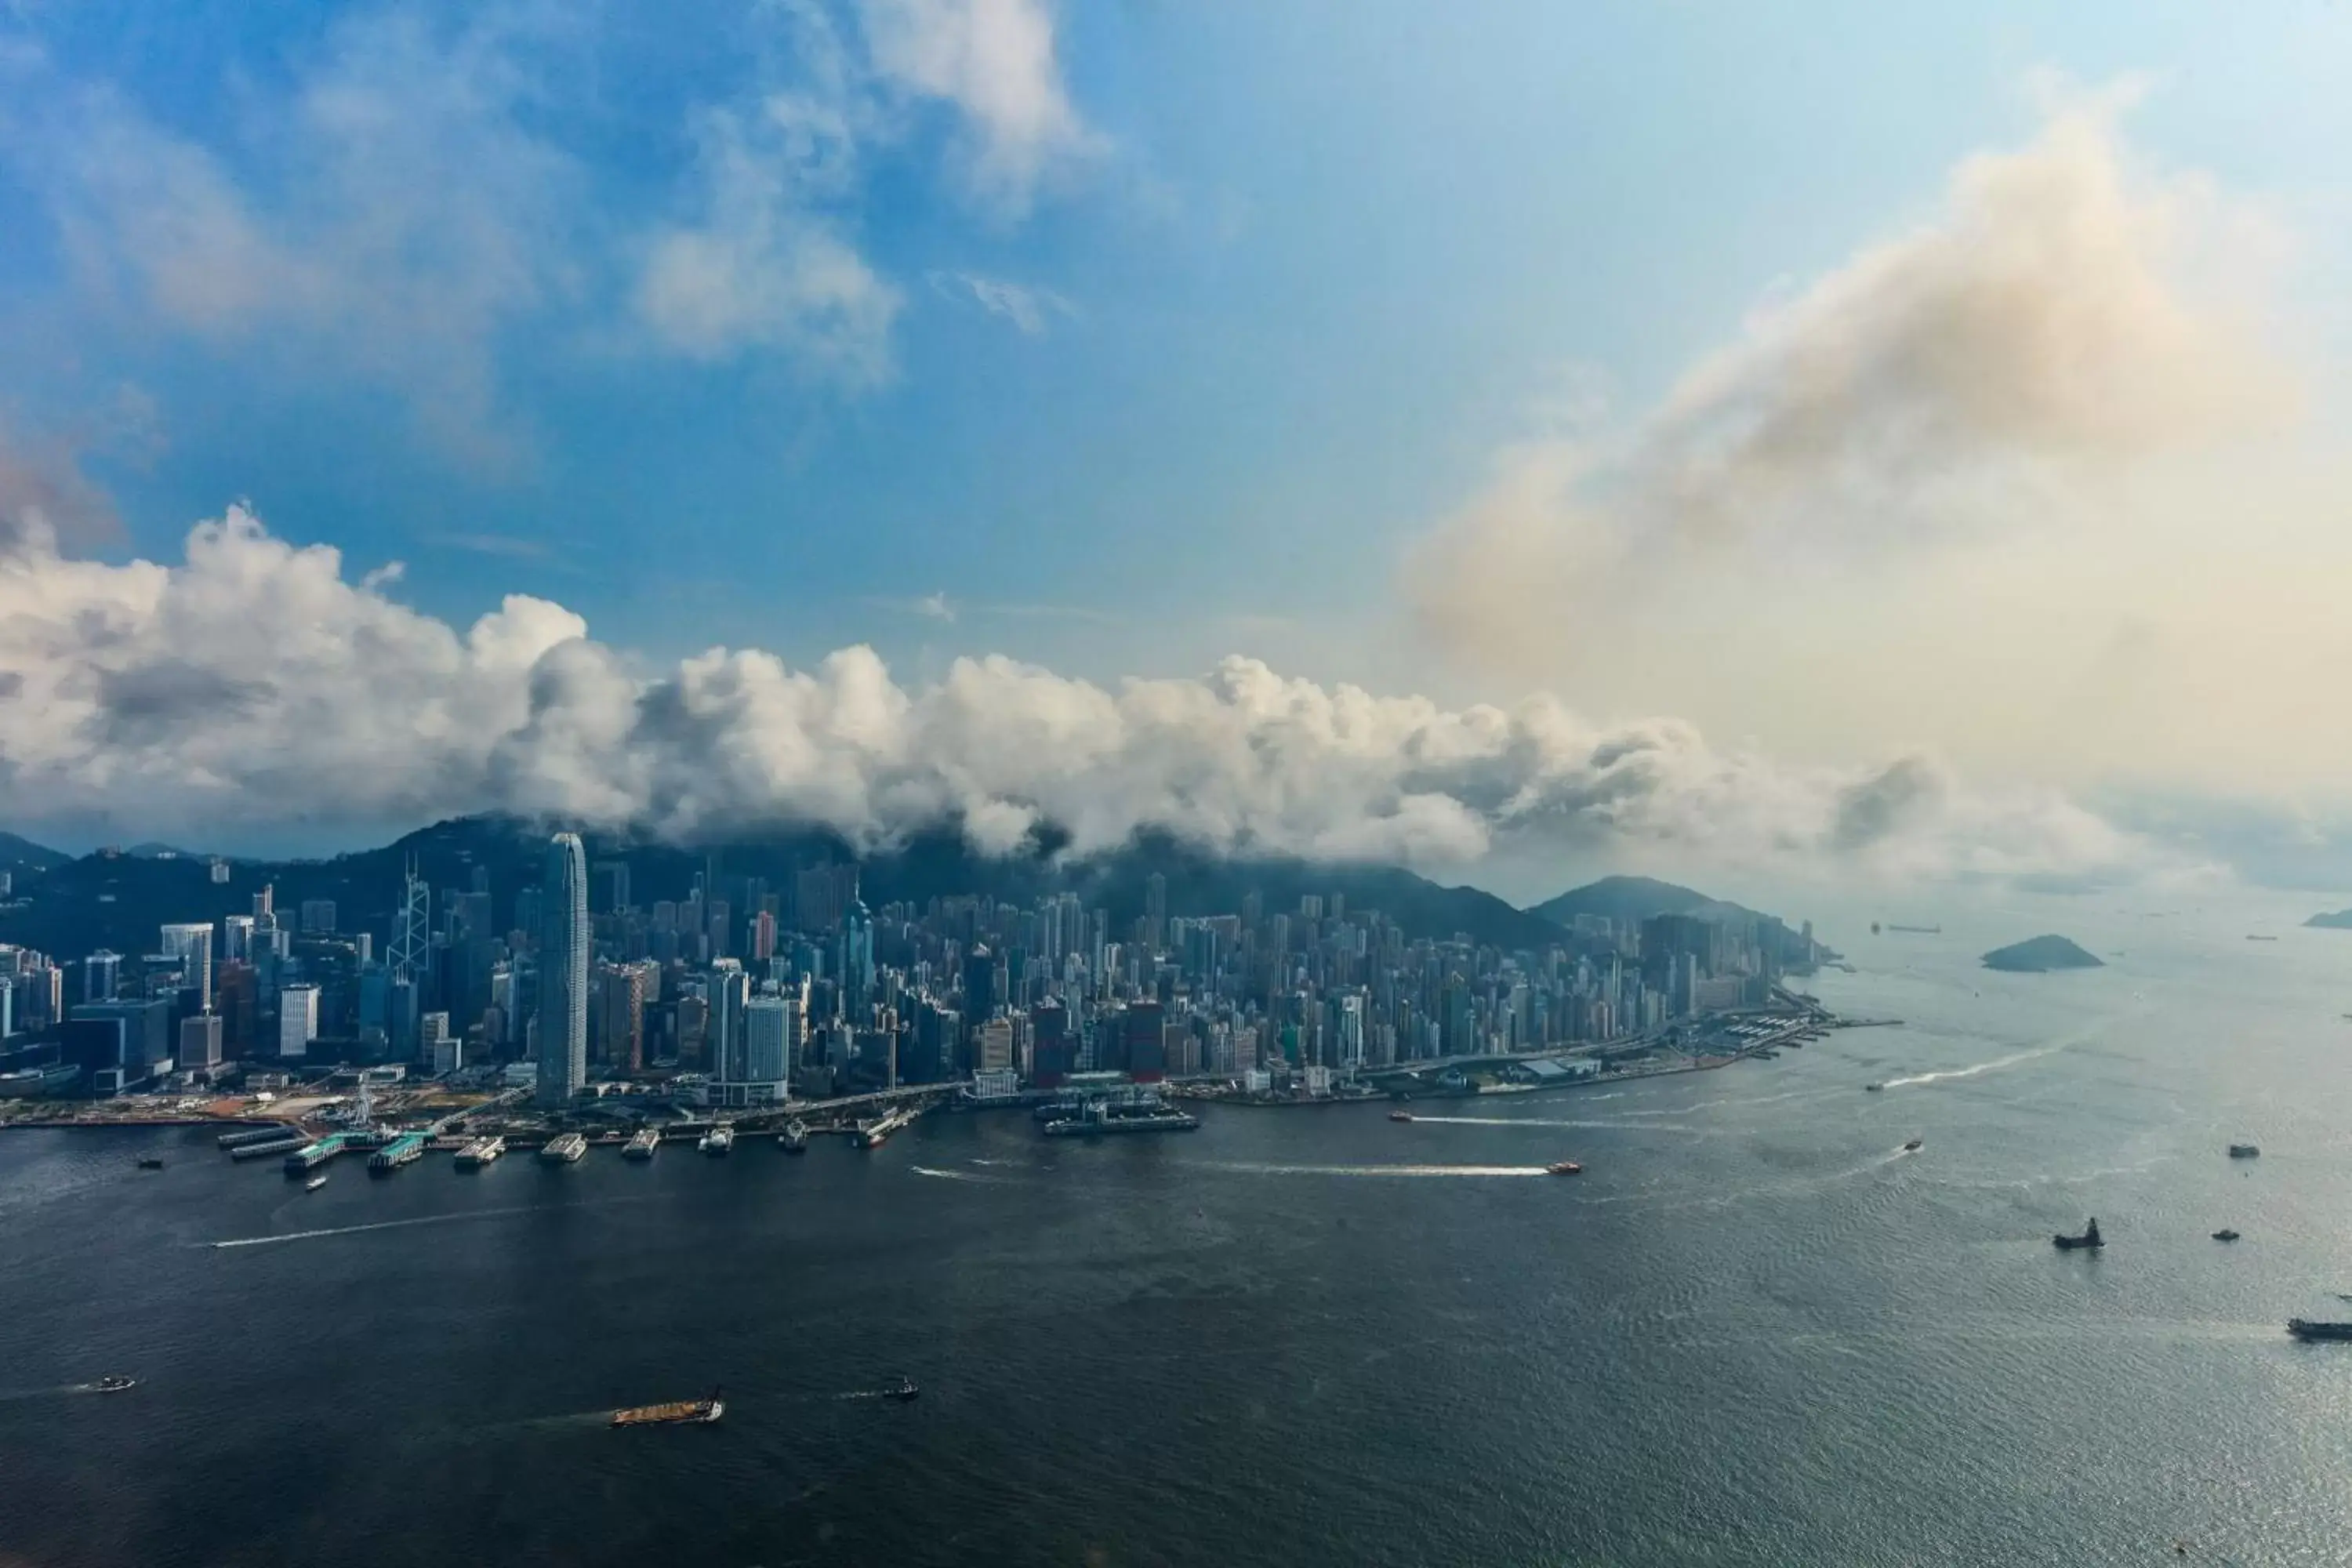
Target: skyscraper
[(563, 973), (192, 945)]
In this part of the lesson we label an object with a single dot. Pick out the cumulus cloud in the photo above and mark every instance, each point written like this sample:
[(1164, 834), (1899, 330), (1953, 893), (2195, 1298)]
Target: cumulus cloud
[(994, 60), (2065, 311), (252, 684)]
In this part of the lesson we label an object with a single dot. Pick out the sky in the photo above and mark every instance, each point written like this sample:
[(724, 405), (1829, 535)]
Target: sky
[(1898, 443)]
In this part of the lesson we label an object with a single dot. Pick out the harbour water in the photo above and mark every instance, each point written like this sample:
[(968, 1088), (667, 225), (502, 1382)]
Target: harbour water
[(1753, 1331)]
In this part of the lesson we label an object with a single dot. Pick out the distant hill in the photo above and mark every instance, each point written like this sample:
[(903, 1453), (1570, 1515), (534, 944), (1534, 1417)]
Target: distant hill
[(23, 858), (2040, 954), (1633, 899), (118, 900), (2339, 920)]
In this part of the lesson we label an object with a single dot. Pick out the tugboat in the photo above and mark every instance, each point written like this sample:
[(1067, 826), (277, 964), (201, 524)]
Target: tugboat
[(2225, 1234), (2244, 1151), (1564, 1168), (793, 1139), (2090, 1238), (150, 1161), (113, 1384), (904, 1392), (1399, 1116), (1913, 1146), (2304, 1330)]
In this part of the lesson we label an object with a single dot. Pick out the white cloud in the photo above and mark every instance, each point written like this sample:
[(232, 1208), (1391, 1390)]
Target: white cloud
[(1030, 309), (2013, 477), (994, 61), (410, 216), (252, 684), (761, 264)]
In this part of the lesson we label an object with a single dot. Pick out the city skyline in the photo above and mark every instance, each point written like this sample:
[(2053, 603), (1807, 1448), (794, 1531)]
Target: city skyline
[(886, 383)]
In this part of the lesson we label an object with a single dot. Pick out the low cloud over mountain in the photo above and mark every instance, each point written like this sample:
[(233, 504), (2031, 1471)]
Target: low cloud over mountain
[(253, 686)]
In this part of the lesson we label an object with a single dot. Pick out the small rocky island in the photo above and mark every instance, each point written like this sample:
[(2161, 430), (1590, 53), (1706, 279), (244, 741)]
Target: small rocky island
[(2040, 954), (2340, 920)]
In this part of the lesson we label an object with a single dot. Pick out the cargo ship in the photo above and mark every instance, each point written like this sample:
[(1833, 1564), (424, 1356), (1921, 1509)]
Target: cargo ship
[(406, 1148), (793, 1139), (2304, 1330), (481, 1153), (873, 1134), (1101, 1120), (563, 1148), (719, 1140), (2089, 1239), (642, 1145), (675, 1413)]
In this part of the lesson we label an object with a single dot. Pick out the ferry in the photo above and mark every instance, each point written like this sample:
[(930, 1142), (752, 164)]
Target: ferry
[(563, 1148), (1564, 1168), (642, 1145), (677, 1412), (2304, 1330), (481, 1153), (873, 1134), (718, 1141), (793, 1139), (315, 1183)]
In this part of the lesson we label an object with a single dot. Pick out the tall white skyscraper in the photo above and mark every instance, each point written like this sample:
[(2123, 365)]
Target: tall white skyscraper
[(192, 945), (563, 973), (297, 1020)]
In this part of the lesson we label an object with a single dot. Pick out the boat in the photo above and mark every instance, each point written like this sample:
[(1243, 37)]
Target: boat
[(718, 1141), (563, 1148), (2304, 1330), (2253, 937), (113, 1384), (2244, 1151), (481, 1153), (873, 1134), (642, 1145), (1399, 1116), (150, 1163), (2089, 1239), (315, 1183), (677, 1412), (1914, 1145), (1872, 1087), (793, 1139), (1101, 1119), (1564, 1168), (2225, 1234), (904, 1392)]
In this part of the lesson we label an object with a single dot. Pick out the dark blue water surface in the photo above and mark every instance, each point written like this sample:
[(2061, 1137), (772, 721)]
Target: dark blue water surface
[(1754, 1331)]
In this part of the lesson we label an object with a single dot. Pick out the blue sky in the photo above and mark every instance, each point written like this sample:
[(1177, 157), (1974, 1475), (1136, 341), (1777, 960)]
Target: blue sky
[(1117, 337), (1319, 261)]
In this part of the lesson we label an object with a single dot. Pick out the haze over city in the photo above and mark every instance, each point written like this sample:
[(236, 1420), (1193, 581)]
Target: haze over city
[(1383, 441)]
